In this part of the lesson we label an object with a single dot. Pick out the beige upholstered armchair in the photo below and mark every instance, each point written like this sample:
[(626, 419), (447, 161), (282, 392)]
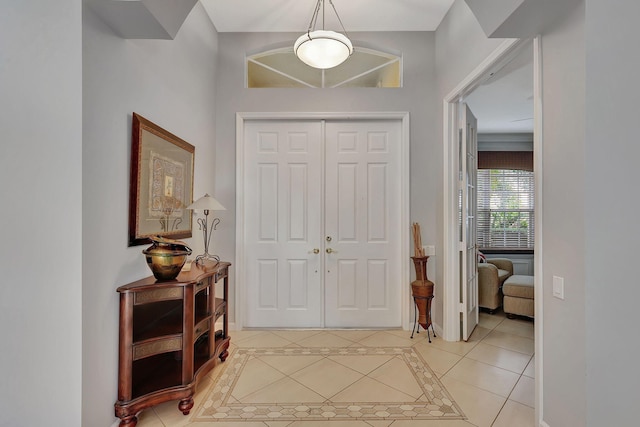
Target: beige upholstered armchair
[(491, 276)]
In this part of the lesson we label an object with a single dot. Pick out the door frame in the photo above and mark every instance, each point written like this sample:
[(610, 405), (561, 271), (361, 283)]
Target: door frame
[(240, 268), (451, 291)]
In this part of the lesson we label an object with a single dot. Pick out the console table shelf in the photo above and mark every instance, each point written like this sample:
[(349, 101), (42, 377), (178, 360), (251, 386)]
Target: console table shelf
[(168, 338)]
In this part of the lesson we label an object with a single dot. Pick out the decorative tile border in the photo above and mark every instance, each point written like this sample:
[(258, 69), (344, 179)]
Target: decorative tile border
[(435, 403)]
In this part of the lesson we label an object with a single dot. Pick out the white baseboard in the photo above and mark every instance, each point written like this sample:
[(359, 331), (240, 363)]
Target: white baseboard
[(438, 329), (543, 424)]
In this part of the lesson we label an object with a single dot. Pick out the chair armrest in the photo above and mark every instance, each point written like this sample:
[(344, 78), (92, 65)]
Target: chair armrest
[(488, 273), (502, 264)]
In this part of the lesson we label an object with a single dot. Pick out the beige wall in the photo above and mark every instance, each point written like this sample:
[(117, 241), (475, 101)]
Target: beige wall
[(563, 233), (41, 219), (612, 204), (461, 46), (171, 83), (417, 96), (65, 161)]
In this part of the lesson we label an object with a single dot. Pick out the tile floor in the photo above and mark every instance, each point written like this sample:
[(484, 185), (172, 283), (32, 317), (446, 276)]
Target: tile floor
[(490, 377)]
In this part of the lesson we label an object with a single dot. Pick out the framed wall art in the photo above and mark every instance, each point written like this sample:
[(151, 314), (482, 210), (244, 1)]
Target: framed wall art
[(161, 185)]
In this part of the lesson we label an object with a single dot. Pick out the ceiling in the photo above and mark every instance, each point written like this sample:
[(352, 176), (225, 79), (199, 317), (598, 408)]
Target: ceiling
[(356, 15), (502, 104)]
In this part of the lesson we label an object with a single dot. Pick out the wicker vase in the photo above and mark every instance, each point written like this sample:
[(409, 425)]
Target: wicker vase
[(422, 291)]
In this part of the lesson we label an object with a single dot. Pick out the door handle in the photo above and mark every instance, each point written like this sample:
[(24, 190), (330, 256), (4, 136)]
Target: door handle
[(330, 251), (315, 251)]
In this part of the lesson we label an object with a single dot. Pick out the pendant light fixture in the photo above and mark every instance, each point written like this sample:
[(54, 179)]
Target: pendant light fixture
[(322, 48)]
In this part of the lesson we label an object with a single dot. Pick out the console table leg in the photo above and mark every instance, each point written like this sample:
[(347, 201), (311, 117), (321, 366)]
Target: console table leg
[(185, 405), (129, 421), (225, 351)]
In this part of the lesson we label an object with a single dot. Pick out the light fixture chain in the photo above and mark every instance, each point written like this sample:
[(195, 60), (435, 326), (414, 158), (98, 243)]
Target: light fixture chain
[(314, 17), (338, 16)]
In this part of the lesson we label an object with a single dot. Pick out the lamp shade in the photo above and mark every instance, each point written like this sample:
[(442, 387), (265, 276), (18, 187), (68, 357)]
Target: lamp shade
[(323, 49), (206, 202)]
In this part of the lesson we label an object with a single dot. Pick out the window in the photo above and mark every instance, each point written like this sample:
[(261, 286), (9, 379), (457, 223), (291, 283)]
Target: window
[(280, 68), (505, 209)]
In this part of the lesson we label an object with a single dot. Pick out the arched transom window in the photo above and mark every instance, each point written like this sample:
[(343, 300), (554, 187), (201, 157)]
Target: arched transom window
[(279, 68)]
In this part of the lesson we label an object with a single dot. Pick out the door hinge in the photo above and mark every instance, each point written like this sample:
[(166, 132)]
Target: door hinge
[(461, 247), (462, 307)]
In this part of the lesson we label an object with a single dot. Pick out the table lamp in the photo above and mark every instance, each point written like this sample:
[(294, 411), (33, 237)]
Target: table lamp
[(207, 203)]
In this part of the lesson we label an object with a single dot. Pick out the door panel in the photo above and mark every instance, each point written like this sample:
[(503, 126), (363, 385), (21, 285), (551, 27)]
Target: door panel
[(362, 224), (283, 218), (469, 259), (335, 187)]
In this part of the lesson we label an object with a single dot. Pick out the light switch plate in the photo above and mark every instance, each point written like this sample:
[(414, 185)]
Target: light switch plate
[(558, 287), (429, 250)]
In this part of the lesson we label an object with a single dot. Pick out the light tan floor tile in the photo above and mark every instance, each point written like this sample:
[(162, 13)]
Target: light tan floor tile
[(490, 321), (397, 374), (324, 340), (458, 347), (402, 333), (499, 357), (487, 377), (439, 361), (329, 424), (498, 344), (422, 336), (368, 390), (263, 340), (284, 391), (353, 335), (521, 327), (530, 371), (385, 339), (244, 334), (379, 423), (524, 391), (515, 414), (362, 364), (481, 407), (296, 335), (290, 364), (432, 423), (479, 333), (276, 423), (170, 415), (149, 418), (326, 377), (255, 375), (510, 342), (225, 424)]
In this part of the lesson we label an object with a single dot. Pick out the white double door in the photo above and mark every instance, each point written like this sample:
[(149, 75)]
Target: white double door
[(322, 223)]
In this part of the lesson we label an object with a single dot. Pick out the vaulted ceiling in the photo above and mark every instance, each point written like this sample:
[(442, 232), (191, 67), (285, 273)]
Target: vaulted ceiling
[(503, 104), (356, 15)]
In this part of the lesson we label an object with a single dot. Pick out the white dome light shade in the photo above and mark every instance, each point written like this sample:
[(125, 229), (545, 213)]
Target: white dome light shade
[(323, 49)]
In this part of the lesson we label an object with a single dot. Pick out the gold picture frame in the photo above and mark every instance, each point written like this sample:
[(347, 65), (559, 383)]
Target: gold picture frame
[(161, 184)]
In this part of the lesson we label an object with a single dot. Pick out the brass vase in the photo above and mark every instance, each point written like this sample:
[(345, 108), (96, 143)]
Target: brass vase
[(422, 291), (165, 257)]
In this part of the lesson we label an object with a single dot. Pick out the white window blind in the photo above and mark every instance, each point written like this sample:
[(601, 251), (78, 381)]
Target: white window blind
[(505, 209)]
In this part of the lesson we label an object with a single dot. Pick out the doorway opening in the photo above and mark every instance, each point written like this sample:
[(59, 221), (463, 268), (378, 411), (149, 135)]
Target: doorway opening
[(324, 149), (454, 304)]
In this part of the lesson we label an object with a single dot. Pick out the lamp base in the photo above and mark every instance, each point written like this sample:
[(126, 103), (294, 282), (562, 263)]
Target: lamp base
[(200, 259)]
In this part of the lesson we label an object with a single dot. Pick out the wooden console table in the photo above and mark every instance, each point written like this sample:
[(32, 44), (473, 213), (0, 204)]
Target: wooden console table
[(168, 340)]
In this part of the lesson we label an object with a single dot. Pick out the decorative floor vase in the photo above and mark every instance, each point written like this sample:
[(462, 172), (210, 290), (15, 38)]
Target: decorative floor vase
[(422, 291)]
